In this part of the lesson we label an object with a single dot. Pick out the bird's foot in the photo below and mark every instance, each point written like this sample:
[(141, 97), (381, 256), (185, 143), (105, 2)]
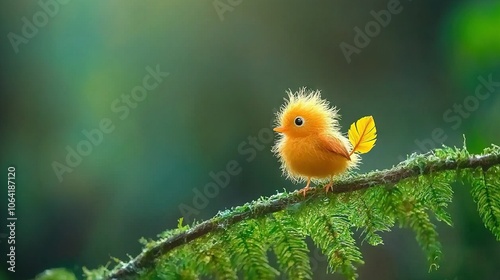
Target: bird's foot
[(304, 190), (329, 187)]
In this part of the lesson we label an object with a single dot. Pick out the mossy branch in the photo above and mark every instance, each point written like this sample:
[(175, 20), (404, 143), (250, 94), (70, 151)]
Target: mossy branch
[(435, 162)]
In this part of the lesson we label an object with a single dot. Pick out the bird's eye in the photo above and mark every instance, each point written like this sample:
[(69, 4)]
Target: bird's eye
[(299, 121)]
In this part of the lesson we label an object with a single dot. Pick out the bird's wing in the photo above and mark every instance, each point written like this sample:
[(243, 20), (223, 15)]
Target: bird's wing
[(334, 145)]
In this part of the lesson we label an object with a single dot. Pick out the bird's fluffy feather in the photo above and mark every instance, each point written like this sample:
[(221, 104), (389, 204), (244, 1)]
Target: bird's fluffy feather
[(324, 121), (304, 100)]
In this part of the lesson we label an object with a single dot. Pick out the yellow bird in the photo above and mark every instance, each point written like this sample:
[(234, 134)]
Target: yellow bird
[(311, 145)]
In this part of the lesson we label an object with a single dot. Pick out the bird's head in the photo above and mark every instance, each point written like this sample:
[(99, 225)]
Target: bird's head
[(305, 113)]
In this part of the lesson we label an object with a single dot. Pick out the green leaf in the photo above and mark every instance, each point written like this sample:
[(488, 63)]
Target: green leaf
[(369, 217), (437, 194), (333, 235), (249, 251), (289, 246), (486, 193), (426, 234)]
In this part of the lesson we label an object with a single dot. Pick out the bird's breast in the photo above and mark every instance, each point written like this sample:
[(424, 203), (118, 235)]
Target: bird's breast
[(306, 157)]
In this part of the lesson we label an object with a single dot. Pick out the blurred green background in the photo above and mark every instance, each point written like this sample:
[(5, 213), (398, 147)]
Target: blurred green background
[(229, 68)]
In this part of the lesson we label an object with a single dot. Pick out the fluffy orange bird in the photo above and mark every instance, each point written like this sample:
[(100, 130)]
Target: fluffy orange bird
[(311, 145)]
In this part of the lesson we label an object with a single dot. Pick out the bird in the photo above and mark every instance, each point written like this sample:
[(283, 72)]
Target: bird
[(310, 144)]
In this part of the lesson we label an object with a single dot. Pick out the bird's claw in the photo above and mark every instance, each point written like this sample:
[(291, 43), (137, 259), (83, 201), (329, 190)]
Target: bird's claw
[(328, 187), (304, 190)]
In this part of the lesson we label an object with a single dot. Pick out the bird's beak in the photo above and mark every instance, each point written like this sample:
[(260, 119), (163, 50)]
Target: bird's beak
[(279, 129)]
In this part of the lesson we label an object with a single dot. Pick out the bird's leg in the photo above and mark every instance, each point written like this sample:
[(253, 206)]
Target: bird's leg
[(306, 188), (329, 186)]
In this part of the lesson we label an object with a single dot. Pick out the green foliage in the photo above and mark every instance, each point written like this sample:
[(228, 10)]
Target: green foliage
[(486, 193), (56, 274), (370, 215), (288, 245), (410, 204), (330, 230), (249, 250), (243, 240)]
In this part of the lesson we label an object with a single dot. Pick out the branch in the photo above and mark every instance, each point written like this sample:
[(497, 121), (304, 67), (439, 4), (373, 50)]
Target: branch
[(415, 166)]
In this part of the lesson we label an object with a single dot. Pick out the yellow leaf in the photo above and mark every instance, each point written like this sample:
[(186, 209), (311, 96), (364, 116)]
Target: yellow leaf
[(363, 135)]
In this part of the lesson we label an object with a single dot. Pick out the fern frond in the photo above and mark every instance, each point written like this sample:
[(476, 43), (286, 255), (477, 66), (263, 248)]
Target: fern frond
[(370, 218), (289, 246), (180, 264), (437, 194), (426, 234), (333, 235), (486, 193), (220, 262), (390, 202), (410, 212), (213, 258), (249, 251)]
